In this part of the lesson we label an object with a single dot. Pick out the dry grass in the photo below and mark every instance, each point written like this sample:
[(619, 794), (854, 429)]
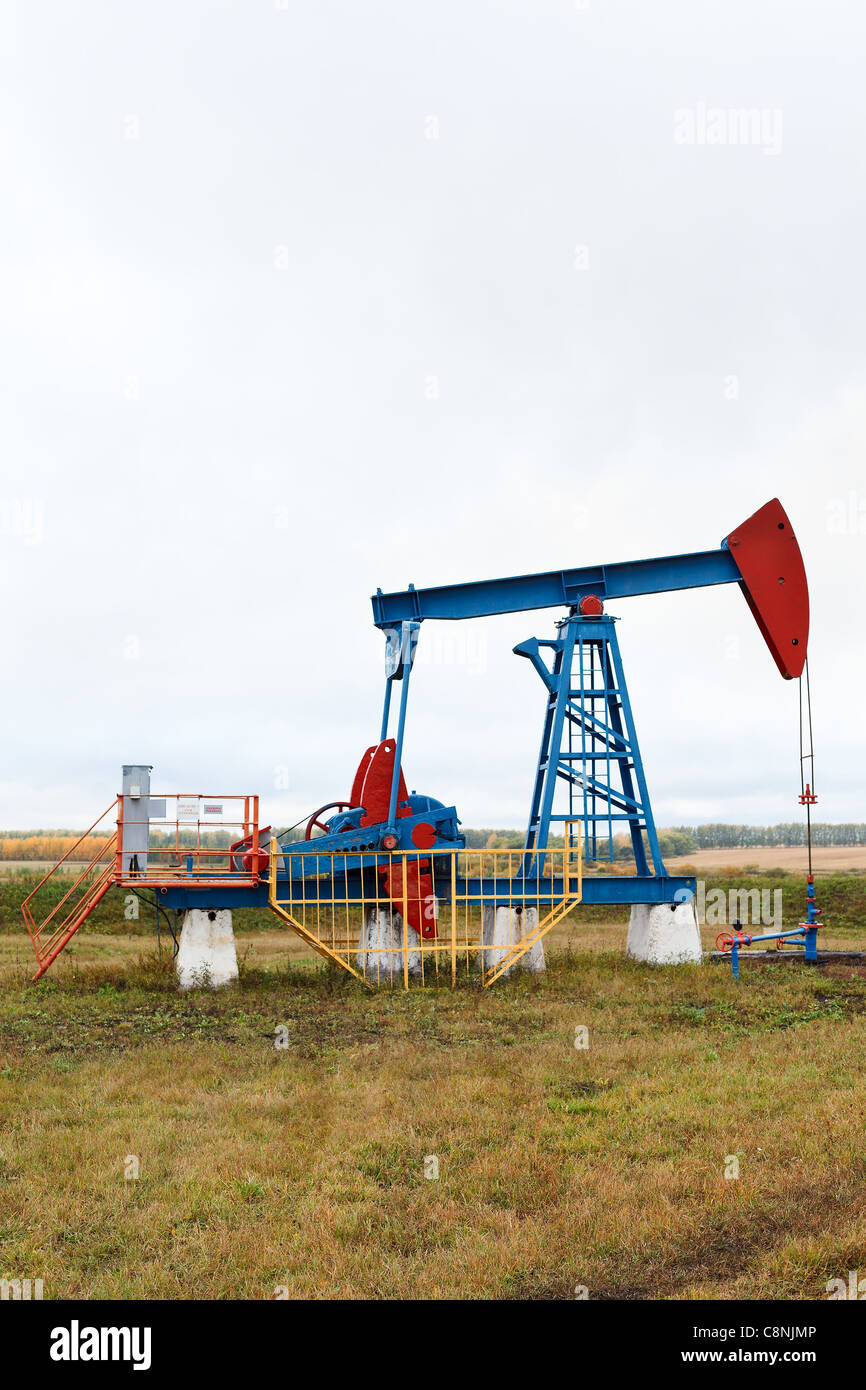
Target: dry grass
[(834, 859), (305, 1166)]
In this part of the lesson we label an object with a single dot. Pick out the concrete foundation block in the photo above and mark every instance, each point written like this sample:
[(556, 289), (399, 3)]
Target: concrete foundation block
[(413, 947), (501, 929), (380, 947), (664, 934), (206, 954)]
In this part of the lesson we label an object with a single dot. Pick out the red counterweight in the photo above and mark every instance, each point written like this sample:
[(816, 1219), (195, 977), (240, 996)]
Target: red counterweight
[(372, 785), (371, 789), (774, 582), (420, 901)]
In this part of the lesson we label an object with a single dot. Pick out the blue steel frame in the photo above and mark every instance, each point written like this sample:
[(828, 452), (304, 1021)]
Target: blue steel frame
[(556, 588), (398, 667), (598, 890), (588, 736), (597, 709)]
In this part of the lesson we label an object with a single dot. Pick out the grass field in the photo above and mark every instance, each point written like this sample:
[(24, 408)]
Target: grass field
[(40, 866), (832, 859), (303, 1168)]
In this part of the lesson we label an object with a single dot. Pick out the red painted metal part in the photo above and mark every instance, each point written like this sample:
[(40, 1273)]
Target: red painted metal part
[(725, 940), (419, 896), (590, 606), (423, 835), (372, 785), (774, 582), (372, 790), (315, 824), (358, 783), (256, 857)]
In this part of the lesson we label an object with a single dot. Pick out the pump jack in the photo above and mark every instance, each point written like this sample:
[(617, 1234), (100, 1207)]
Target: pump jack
[(391, 846)]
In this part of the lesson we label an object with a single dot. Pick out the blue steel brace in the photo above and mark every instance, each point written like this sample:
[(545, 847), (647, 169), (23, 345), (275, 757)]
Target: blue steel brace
[(399, 656), (588, 736)]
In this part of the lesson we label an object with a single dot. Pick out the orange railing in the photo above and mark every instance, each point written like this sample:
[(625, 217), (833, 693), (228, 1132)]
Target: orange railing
[(201, 839), (93, 882), (198, 844)]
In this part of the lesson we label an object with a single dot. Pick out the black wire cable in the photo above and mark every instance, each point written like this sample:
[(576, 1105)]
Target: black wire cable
[(290, 828), (172, 927)]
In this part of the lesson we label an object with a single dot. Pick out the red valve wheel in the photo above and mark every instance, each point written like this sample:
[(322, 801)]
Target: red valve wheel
[(315, 824), (725, 940)]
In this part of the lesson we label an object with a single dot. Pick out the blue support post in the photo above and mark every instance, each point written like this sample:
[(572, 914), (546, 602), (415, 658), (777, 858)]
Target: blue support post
[(636, 766), (399, 667), (811, 925)]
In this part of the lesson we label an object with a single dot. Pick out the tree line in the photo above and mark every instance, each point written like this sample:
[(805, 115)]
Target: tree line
[(687, 839), (678, 840)]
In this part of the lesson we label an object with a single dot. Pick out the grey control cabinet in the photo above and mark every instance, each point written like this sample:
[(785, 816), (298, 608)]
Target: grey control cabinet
[(138, 807)]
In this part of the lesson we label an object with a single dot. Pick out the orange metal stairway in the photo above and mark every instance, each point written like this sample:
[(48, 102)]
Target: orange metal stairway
[(50, 935)]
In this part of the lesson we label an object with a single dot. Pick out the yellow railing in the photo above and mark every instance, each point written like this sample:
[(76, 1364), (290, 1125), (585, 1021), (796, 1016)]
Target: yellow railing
[(477, 910)]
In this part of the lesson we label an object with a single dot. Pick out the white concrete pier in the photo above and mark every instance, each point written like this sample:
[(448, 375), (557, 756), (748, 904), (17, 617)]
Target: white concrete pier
[(664, 933), (206, 955), (380, 947), (502, 928)]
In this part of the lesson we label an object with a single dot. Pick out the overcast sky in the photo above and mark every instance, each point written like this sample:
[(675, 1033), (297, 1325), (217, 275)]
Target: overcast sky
[(302, 299)]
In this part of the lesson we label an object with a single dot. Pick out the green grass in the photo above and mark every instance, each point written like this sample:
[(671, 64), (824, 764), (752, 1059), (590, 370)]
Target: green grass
[(842, 898), (303, 1167)]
